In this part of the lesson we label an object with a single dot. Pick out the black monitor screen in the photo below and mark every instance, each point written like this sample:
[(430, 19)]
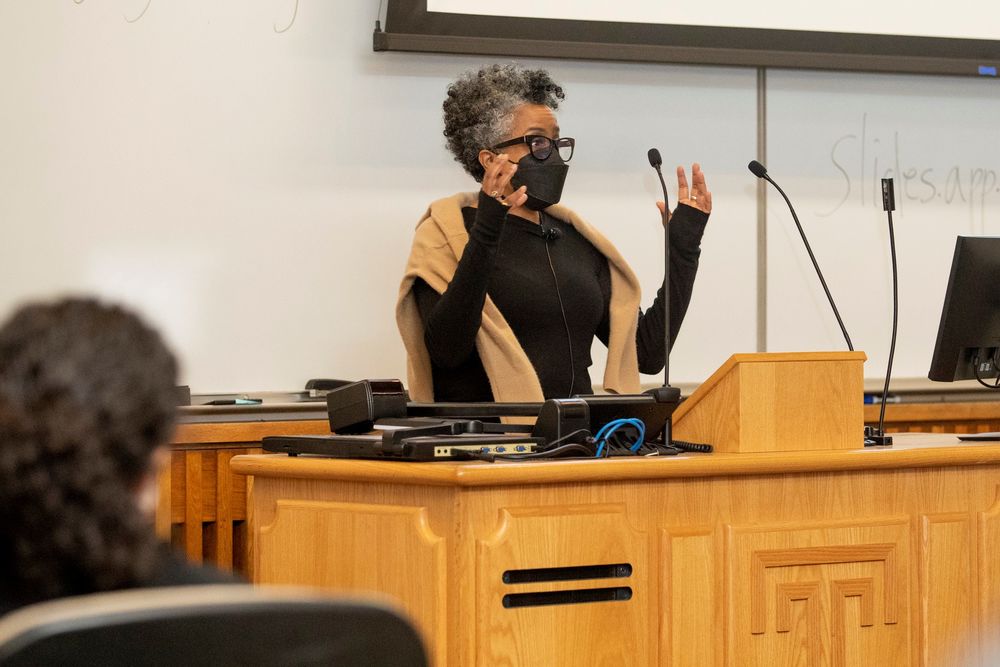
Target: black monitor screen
[(968, 339)]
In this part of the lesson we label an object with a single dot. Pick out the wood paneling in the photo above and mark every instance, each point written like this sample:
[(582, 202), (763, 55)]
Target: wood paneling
[(345, 539), (833, 558), (532, 537), (979, 417), (201, 503)]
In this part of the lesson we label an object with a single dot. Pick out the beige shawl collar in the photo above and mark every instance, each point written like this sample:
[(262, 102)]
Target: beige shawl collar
[(437, 247)]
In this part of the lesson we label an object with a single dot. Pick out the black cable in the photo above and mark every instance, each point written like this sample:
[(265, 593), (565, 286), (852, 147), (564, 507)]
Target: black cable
[(655, 162), (691, 446), (562, 309), (975, 369), (895, 321), (572, 434)]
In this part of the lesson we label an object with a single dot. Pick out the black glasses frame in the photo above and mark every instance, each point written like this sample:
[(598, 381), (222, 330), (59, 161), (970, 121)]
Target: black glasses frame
[(541, 146)]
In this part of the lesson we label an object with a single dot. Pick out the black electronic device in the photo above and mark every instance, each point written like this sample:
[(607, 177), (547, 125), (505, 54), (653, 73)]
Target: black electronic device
[(360, 407), (412, 448), (355, 407), (559, 417), (968, 337)]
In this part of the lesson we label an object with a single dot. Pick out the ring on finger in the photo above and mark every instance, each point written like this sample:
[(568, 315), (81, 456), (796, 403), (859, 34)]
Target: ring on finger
[(495, 194)]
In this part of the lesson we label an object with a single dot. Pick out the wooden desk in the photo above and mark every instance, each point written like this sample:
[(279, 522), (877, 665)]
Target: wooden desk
[(972, 417), (201, 506), (851, 557), (208, 523)]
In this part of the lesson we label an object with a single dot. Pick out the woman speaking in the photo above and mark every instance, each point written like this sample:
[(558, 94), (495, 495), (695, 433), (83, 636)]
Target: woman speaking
[(505, 289)]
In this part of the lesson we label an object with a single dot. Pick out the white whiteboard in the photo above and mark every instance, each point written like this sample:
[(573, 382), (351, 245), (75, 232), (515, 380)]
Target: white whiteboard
[(254, 191), (248, 173), (831, 138)]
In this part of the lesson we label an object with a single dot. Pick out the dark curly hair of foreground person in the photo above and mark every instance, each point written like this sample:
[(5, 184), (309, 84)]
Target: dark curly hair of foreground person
[(86, 396), (477, 111)]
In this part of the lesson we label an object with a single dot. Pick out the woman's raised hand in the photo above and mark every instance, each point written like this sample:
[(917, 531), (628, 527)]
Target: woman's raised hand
[(496, 182), (697, 195)]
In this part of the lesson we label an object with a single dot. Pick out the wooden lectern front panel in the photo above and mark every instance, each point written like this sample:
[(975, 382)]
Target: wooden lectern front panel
[(388, 550), (822, 568), (560, 576)]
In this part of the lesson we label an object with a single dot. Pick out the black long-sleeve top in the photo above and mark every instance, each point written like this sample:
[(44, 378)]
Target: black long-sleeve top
[(554, 289)]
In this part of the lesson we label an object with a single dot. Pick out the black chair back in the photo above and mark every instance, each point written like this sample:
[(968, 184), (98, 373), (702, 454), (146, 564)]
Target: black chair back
[(208, 625)]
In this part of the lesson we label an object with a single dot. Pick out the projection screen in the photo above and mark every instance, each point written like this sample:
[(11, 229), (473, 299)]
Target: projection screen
[(894, 36)]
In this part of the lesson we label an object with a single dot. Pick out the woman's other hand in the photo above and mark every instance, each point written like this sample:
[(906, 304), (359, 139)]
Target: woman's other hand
[(496, 182)]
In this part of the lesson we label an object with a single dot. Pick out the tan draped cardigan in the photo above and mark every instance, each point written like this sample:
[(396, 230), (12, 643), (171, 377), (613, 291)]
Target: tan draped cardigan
[(438, 244)]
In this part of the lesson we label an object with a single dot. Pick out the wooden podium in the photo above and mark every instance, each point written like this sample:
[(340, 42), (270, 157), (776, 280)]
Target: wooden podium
[(835, 556), (770, 402)]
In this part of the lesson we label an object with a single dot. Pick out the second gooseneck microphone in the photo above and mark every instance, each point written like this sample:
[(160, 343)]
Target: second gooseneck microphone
[(758, 170), (655, 161), (888, 205)]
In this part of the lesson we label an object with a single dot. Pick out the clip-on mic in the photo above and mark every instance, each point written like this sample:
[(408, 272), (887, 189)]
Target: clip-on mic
[(760, 171), (878, 438), (666, 391)]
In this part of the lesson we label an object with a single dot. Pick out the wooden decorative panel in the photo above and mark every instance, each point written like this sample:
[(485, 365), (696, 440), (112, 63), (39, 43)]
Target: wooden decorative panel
[(611, 632), (989, 581), (337, 545), (691, 576), (819, 594), (948, 590)]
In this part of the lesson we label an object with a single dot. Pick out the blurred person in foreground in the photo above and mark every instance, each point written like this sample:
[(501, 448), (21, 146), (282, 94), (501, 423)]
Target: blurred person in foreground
[(87, 407)]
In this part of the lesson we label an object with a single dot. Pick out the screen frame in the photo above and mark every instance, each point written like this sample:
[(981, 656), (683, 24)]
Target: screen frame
[(410, 27)]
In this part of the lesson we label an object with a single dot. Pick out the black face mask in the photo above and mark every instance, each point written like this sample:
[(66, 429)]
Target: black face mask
[(544, 178)]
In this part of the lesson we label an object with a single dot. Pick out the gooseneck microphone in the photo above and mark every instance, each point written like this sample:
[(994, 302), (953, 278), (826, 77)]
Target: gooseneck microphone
[(758, 170), (880, 439), (655, 161)]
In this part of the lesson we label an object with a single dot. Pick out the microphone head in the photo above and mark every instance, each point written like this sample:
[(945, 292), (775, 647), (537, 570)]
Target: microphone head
[(654, 158), (757, 169)]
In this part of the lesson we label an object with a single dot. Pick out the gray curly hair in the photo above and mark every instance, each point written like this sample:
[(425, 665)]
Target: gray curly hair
[(479, 107)]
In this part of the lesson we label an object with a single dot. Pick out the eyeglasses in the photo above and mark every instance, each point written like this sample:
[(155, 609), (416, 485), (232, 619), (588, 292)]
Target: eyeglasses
[(541, 147)]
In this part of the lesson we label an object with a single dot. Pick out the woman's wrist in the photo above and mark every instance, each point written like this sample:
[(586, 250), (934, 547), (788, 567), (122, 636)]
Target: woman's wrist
[(490, 216)]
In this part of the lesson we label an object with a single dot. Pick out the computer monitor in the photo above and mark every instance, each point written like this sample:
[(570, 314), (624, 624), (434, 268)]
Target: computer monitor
[(968, 338)]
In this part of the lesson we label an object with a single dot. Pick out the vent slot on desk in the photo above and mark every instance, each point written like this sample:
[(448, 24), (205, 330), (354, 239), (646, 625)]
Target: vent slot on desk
[(617, 594), (580, 572)]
